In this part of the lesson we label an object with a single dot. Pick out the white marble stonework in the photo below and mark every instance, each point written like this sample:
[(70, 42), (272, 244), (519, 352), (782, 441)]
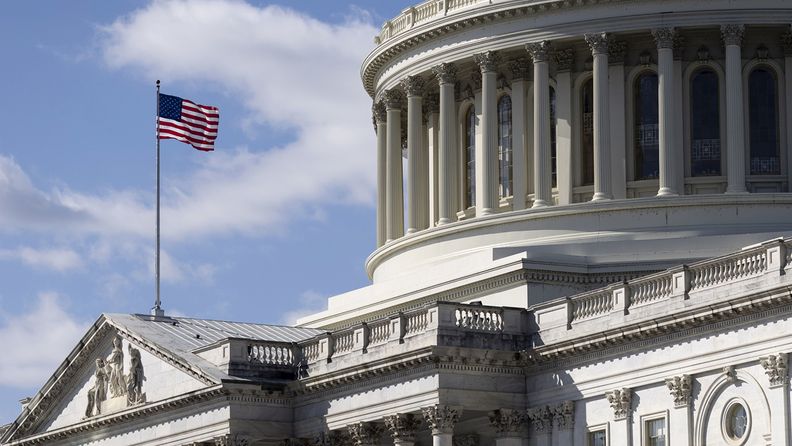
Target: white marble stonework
[(625, 282)]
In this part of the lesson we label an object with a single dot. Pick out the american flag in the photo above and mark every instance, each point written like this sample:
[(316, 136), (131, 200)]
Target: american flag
[(187, 121)]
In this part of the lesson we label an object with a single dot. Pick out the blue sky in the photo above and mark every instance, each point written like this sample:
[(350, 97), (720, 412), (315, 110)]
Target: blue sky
[(279, 217)]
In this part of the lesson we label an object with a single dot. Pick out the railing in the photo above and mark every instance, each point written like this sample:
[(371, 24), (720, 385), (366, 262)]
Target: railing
[(272, 353), (592, 304), (422, 13), (479, 319), (416, 323), (343, 342), (312, 350), (379, 332), (650, 289), (720, 270)]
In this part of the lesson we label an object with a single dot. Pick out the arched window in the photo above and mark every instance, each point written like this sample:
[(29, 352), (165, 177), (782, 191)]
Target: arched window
[(553, 139), (763, 118), (705, 142), (647, 139), (587, 133), (470, 157), (505, 145)]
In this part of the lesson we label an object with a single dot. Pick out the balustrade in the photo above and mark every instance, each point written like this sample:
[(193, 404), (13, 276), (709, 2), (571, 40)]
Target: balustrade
[(479, 319), (592, 305), (272, 353), (650, 289)]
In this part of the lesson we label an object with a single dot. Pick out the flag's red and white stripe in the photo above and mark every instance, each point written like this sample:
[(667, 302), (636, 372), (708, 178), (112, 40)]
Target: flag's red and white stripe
[(197, 126)]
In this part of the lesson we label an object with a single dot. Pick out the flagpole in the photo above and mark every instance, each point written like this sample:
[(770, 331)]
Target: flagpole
[(157, 310)]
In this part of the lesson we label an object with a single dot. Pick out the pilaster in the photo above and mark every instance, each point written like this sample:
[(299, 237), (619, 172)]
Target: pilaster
[(777, 369), (620, 401), (542, 423), (680, 388), (617, 51), (564, 422), (509, 426), (564, 173)]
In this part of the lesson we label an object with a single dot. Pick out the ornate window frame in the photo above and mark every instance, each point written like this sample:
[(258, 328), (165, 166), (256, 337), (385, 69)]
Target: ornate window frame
[(724, 422)]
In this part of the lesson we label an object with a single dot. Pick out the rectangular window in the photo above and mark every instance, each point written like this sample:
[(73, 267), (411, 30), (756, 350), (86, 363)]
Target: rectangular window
[(655, 432), (597, 438)]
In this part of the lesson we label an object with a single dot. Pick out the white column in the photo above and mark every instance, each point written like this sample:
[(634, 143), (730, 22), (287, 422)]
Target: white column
[(540, 53), (509, 425), (620, 401), (519, 87), (432, 104), (394, 194), (446, 76), (487, 169), (564, 174), (599, 49), (735, 131), (776, 368), (441, 421), (413, 86), (680, 419), (382, 173), (664, 37), (618, 138), (402, 428)]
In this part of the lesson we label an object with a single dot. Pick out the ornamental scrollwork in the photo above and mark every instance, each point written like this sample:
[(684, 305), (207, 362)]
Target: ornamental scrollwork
[(508, 422), (393, 99), (680, 388), (441, 419), (777, 368), (445, 73), (732, 34), (413, 85), (620, 401), (598, 42), (664, 37), (541, 419), (564, 415), (487, 61), (539, 51)]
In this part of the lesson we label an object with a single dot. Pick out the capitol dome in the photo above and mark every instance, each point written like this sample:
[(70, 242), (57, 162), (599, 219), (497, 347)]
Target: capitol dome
[(605, 135)]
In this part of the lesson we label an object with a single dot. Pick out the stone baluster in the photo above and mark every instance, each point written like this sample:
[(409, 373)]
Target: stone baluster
[(519, 86), (446, 77), (402, 428), (394, 197), (598, 43), (509, 425), (380, 118), (487, 172), (540, 53), (417, 208), (735, 132), (664, 37), (441, 420)]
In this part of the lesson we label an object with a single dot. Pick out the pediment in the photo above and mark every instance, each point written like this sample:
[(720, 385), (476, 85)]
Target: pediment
[(111, 371)]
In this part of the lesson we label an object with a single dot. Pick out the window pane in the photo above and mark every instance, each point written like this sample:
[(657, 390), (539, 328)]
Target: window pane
[(763, 117), (553, 139), (647, 142), (505, 145), (597, 438), (470, 158), (656, 433), (705, 143), (587, 133)]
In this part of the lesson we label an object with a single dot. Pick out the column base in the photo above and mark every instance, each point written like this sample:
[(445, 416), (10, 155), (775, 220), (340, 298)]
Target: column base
[(666, 192), (736, 192), (601, 196), (540, 204), (486, 211), (411, 230), (444, 221)]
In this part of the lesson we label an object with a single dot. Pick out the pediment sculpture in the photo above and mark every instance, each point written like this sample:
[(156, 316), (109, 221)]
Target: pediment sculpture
[(112, 389)]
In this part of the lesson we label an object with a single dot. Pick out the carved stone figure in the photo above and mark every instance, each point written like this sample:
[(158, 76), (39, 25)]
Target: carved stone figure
[(98, 392), (115, 363), (136, 377)]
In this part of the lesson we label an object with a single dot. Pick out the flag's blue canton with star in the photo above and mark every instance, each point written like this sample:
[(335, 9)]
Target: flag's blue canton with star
[(170, 107)]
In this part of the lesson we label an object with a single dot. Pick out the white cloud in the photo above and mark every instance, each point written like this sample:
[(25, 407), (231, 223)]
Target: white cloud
[(310, 302), (36, 342), (57, 259)]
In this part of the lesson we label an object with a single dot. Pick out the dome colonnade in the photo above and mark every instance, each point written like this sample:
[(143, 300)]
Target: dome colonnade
[(595, 116)]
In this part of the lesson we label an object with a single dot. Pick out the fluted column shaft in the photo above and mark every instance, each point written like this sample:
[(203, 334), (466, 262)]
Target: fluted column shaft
[(382, 172), (487, 167), (735, 133), (394, 189), (602, 182), (540, 53), (665, 71), (446, 76), (413, 85)]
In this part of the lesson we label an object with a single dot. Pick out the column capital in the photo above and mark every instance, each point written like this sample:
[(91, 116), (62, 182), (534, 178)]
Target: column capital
[(508, 422), (732, 34), (487, 61), (777, 368), (621, 402), (680, 388), (617, 50), (441, 419), (402, 427), (539, 51), (664, 37), (445, 73), (413, 85), (520, 68), (598, 42), (541, 419), (564, 59), (564, 415), (393, 99), (365, 433), (378, 112)]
